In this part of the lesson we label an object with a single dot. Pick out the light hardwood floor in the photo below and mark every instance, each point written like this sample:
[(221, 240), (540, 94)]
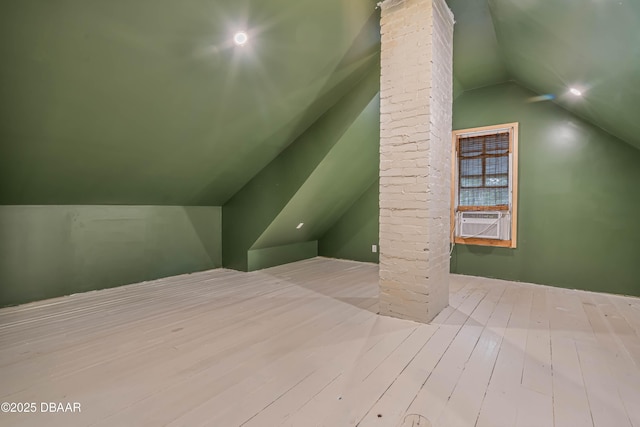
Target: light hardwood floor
[(301, 345)]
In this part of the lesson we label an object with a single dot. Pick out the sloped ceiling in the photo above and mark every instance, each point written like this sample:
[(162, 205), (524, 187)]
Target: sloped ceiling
[(148, 102), (550, 46), (476, 58)]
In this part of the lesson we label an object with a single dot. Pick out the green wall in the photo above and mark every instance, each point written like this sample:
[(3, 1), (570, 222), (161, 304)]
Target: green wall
[(313, 181), (268, 257), (48, 251), (353, 234), (578, 198)]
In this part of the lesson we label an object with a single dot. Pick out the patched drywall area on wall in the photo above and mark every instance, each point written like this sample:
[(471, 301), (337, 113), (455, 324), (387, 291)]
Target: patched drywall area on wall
[(578, 198), (49, 251)]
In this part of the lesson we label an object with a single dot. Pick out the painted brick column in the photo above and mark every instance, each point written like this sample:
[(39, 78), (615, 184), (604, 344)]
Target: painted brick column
[(416, 99)]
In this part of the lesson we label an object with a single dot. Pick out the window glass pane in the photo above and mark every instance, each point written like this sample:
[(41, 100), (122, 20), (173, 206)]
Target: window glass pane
[(471, 181), (466, 197), (497, 165), (470, 167), (501, 196), (484, 197), (497, 144), (470, 147), (497, 180), (483, 170)]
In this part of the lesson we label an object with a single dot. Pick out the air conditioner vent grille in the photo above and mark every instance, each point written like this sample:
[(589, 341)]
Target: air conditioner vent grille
[(486, 231), (483, 215), (483, 225)]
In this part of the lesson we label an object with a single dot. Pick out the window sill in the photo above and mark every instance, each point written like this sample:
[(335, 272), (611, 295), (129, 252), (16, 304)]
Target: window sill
[(485, 242)]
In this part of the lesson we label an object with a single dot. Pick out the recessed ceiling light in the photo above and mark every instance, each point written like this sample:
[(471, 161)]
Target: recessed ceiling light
[(240, 38), (300, 225), (575, 91)]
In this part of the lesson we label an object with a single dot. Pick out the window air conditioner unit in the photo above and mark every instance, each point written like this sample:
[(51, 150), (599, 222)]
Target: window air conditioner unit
[(481, 225)]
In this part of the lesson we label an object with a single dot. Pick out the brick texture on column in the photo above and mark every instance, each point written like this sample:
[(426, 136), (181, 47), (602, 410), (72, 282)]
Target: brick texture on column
[(416, 96)]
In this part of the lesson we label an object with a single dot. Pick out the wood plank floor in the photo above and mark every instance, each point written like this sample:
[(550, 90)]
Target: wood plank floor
[(301, 345)]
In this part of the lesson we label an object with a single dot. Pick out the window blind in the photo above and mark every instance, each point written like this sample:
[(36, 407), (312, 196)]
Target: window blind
[(483, 169)]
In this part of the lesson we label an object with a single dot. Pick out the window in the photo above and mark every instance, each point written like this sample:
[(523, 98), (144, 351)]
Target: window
[(484, 185)]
